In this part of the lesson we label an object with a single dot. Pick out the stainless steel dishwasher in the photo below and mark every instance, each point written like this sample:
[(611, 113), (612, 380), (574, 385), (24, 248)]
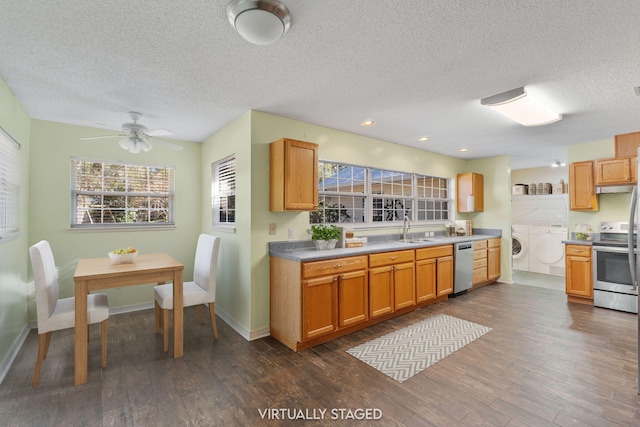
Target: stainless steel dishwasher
[(463, 261)]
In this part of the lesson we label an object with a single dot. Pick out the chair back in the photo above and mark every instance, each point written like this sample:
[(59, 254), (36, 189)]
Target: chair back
[(206, 262), (45, 278)]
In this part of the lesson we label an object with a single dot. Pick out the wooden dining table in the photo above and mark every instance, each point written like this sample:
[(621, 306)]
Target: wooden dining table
[(93, 274)]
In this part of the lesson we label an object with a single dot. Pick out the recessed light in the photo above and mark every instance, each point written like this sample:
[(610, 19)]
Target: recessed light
[(424, 138), (368, 123), (462, 150)]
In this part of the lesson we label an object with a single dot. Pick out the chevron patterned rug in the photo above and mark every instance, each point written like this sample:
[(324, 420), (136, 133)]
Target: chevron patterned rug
[(408, 351)]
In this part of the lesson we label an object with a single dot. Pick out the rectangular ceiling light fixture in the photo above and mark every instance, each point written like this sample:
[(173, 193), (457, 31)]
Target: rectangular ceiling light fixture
[(522, 108)]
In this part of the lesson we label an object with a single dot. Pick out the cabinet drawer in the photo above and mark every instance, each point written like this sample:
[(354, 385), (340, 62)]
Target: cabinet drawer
[(479, 275), (493, 243), (479, 254), (480, 244), (386, 258), (333, 266), (436, 252), (578, 250), (480, 263)]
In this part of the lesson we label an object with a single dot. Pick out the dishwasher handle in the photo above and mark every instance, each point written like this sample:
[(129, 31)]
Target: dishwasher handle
[(464, 246)]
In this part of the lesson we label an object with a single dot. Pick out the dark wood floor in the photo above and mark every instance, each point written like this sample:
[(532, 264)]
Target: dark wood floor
[(546, 363)]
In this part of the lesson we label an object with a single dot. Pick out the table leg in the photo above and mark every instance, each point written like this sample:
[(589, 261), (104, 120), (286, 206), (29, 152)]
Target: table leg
[(81, 330), (178, 310)]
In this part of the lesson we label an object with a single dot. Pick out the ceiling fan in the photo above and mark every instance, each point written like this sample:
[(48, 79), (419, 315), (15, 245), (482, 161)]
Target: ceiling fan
[(135, 136)]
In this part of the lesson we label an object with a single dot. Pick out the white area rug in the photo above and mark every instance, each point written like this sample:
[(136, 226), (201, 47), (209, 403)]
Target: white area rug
[(406, 352)]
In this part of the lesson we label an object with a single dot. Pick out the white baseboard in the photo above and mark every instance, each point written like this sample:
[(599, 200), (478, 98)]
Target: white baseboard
[(13, 352), (244, 332)]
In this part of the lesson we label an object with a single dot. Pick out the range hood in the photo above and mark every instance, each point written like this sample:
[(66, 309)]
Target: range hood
[(614, 189)]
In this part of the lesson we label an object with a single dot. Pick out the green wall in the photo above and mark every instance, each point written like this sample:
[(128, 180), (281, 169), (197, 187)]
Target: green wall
[(14, 267), (53, 145)]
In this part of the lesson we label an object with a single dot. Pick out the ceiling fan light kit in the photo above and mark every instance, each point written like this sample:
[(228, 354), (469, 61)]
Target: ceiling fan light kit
[(517, 105), (260, 22)]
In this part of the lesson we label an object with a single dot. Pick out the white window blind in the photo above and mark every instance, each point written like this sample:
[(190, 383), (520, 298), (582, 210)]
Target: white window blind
[(9, 185), (223, 191), (107, 194)]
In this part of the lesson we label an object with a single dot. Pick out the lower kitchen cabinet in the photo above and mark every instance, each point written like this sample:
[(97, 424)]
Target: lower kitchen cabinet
[(434, 272), (319, 306), (479, 262), (579, 283), (493, 259), (353, 306), (391, 282)]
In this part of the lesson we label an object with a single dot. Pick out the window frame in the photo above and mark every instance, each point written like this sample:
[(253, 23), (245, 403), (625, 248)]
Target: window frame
[(216, 208), (10, 183), (411, 196), (170, 196)]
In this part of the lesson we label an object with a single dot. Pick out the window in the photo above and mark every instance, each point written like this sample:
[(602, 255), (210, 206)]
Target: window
[(108, 194), (9, 185), (356, 194), (223, 191)]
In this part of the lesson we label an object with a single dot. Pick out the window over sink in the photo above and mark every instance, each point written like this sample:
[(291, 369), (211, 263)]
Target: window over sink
[(363, 195)]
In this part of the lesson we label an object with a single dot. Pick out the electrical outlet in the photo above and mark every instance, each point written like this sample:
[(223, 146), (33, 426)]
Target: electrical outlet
[(272, 228), (292, 233)]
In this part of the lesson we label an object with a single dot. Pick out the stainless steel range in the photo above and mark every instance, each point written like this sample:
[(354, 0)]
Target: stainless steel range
[(615, 282)]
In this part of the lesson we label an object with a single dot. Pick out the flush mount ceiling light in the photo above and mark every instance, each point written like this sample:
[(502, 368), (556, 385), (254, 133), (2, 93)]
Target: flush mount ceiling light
[(558, 164), (517, 105), (368, 123), (260, 22), (423, 138)]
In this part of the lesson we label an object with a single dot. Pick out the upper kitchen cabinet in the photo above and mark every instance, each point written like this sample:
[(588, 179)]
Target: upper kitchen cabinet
[(582, 192), (617, 171), (293, 175), (627, 144), (470, 192)]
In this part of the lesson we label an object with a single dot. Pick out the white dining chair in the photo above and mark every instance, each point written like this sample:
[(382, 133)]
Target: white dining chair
[(202, 290), (54, 314)]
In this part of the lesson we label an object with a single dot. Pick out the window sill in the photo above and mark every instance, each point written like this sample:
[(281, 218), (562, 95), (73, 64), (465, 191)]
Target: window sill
[(108, 228), (10, 236)]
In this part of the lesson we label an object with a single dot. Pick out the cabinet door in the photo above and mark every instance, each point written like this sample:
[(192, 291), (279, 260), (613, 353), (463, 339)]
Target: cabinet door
[(616, 171), (470, 184), (578, 276), (582, 193), (493, 263), (319, 301), (404, 285), (293, 175), (445, 276), (380, 291), (426, 279), (627, 144), (352, 298)]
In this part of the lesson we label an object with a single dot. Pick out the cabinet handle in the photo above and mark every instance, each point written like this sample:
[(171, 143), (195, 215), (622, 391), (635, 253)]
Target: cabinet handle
[(338, 265), (393, 257)]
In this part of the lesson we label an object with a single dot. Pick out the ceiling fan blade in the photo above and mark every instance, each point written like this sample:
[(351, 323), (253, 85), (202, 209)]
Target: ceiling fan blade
[(159, 132), (168, 144), (101, 137)]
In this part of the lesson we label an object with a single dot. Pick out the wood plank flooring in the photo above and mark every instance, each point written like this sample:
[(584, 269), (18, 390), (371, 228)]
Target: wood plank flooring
[(546, 363)]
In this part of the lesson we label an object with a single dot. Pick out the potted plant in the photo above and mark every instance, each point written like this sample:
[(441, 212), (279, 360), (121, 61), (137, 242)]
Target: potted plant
[(325, 236)]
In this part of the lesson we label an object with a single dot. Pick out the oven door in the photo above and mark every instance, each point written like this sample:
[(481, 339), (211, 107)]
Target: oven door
[(611, 271)]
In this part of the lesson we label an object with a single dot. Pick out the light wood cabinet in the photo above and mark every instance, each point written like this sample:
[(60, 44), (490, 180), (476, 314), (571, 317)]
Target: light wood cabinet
[(627, 144), (470, 185), (479, 262), (293, 175), (582, 192), (319, 306), (353, 305), (434, 272), (493, 259), (579, 282), (391, 282), (617, 171)]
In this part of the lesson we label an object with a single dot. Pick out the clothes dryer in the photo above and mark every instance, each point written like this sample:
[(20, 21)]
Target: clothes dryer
[(547, 249), (520, 247)]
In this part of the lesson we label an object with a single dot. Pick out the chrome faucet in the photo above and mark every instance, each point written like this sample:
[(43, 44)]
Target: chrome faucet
[(405, 227)]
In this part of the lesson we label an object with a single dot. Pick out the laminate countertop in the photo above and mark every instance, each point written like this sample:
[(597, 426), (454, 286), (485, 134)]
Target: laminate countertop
[(303, 251)]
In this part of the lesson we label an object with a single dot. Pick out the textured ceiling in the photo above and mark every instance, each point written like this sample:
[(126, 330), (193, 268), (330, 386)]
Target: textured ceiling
[(416, 67)]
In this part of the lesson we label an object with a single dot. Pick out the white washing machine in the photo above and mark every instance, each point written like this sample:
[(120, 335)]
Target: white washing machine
[(520, 247), (547, 249)]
